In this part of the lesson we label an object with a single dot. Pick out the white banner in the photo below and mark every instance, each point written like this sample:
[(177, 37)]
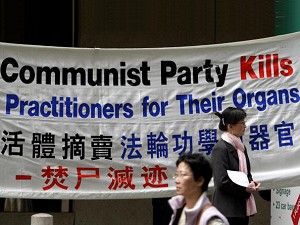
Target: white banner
[(110, 123)]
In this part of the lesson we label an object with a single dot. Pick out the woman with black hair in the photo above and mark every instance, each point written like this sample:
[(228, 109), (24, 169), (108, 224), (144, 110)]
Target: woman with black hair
[(191, 205), (235, 202)]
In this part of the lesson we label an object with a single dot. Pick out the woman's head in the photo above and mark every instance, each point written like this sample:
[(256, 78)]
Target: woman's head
[(231, 116), (194, 172)]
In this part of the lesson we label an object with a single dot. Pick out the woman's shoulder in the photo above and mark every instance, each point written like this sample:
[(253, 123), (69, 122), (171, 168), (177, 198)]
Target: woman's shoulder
[(215, 221), (212, 216), (221, 144)]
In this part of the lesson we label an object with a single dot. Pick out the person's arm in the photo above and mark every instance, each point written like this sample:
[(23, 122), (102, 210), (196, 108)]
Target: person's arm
[(222, 161), (249, 175), (253, 185)]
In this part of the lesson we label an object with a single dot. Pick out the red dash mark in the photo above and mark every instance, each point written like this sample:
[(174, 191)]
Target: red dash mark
[(296, 212), (23, 177)]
